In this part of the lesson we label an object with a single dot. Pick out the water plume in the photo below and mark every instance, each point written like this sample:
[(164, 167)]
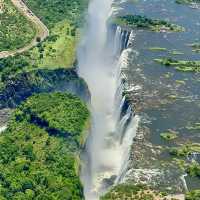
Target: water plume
[(109, 143)]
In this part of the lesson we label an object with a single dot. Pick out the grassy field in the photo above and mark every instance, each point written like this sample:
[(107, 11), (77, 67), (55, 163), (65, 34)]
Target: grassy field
[(15, 30)]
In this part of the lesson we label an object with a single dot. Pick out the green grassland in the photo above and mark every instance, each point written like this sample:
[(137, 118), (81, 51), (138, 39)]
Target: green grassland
[(15, 30), (59, 49), (36, 162), (63, 18)]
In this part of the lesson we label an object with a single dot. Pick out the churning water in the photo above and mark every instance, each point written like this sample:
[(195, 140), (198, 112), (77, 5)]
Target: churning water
[(100, 63)]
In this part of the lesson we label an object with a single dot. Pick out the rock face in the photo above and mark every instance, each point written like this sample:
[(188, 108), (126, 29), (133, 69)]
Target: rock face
[(23, 85)]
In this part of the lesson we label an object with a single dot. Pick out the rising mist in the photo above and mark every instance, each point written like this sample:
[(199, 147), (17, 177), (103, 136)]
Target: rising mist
[(111, 136)]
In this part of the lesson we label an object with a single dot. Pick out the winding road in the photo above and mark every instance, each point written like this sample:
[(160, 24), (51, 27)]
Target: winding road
[(42, 30)]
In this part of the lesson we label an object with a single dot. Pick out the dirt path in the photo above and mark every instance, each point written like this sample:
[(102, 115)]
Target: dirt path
[(42, 30)]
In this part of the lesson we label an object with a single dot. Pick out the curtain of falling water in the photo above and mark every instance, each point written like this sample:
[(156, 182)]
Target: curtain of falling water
[(104, 151)]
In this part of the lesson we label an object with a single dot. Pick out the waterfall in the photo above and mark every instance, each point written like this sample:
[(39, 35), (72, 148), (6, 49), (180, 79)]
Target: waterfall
[(184, 182), (3, 128), (113, 124)]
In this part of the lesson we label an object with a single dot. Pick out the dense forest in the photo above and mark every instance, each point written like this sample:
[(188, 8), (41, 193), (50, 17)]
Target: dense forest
[(40, 149)]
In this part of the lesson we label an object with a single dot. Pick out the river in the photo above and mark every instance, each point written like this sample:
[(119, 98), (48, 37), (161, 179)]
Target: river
[(109, 55)]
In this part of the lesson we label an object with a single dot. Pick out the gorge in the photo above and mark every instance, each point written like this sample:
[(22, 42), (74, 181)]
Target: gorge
[(113, 124)]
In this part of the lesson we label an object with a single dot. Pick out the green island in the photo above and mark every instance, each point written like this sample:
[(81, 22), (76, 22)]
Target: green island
[(169, 135), (185, 150), (40, 149), (15, 30), (180, 155), (187, 1), (130, 191), (138, 21), (63, 18), (180, 65), (195, 126), (195, 47), (157, 49)]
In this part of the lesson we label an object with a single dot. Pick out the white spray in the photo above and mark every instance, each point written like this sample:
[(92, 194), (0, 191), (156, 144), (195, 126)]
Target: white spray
[(106, 151)]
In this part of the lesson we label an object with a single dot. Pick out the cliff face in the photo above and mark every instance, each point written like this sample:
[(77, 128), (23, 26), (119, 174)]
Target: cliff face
[(23, 85)]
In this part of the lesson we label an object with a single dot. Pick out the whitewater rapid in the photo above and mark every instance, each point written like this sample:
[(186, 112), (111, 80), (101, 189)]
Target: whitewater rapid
[(100, 62)]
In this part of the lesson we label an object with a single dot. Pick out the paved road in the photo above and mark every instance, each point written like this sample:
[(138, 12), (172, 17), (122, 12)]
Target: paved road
[(42, 30)]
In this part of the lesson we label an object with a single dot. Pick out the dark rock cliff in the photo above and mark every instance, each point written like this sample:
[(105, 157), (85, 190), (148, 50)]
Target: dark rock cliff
[(23, 85)]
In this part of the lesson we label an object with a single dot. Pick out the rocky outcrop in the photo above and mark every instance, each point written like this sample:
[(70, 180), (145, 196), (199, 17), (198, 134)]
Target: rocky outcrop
[(23, 85)]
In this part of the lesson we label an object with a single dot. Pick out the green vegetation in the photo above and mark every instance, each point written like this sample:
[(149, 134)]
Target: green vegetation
[(15, 30), (187, 1), (180, 82), (62, 114), (51, 12), (63, 19), (195, 126), (193, 195), (195, 46), (184, 150), (137, 21), (40, 148), (36, 160), (169, 135), (129, 191), (174, 52), (180, 65), (157, 49), (193, 169)]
